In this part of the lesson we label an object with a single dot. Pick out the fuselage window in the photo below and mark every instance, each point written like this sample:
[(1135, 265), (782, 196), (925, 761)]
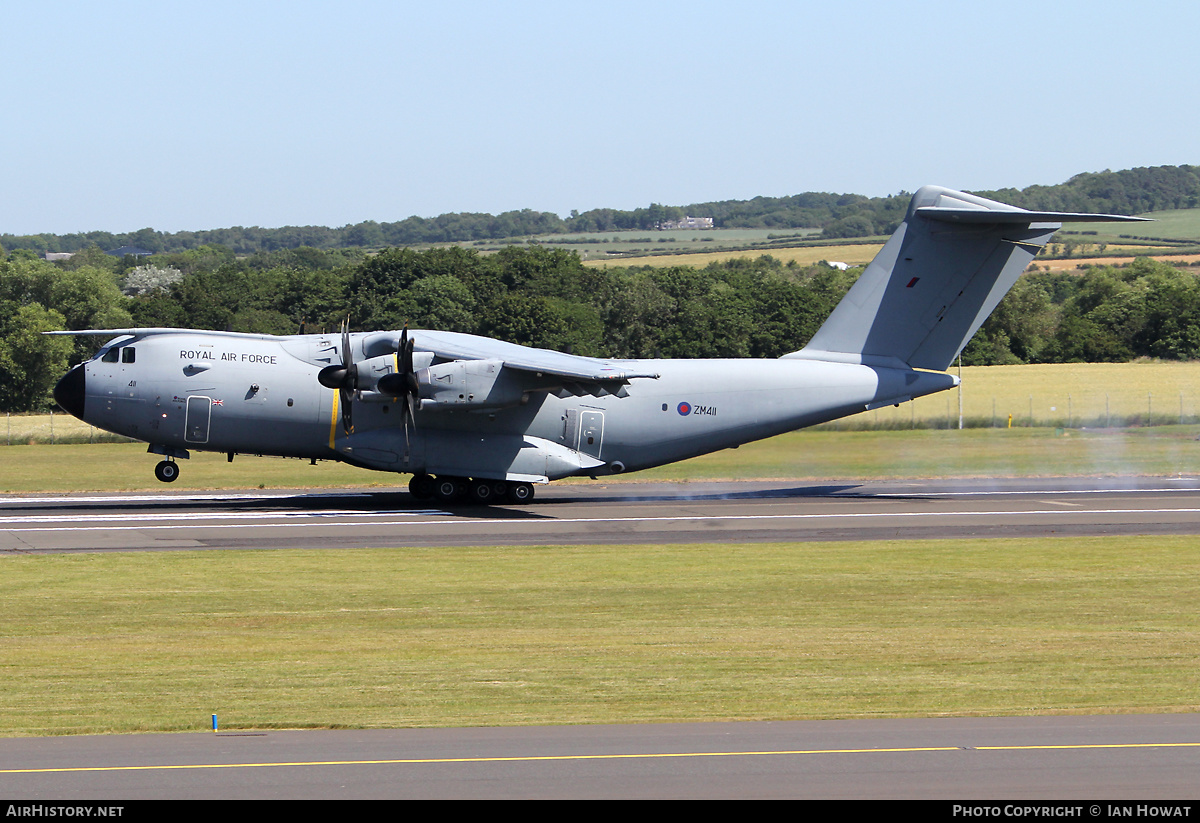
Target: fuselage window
[(128, 354), (110, 356)]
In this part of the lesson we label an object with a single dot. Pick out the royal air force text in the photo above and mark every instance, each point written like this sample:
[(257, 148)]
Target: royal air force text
[(229, 356)]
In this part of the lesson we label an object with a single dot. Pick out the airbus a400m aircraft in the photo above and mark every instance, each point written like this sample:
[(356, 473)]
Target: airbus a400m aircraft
[(480, 419)]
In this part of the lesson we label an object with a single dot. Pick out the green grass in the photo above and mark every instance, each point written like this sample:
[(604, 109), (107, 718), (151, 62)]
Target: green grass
[(605, 245), (553, 634), (857, 254), (577, 634), (1178, 224), (128, 467), (820, 455), (814, 454)]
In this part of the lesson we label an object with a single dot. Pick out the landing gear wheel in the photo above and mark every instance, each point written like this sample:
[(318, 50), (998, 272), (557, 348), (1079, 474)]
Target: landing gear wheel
[(421, 487), (166, 471), (449, 489), (481, 492), (520, 492)]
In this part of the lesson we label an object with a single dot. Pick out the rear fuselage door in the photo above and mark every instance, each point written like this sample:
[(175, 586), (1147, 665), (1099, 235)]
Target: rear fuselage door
[(591, 432)]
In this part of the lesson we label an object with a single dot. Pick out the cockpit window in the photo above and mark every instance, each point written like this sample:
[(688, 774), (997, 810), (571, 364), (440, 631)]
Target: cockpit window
[(126, 354)]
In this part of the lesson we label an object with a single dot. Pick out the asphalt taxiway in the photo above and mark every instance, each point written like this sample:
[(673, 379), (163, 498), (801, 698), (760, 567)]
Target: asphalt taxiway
[(1087, 760), (603, 513)]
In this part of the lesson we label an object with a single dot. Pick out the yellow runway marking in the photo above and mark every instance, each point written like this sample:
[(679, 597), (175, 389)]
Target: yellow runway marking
[(580, 757)]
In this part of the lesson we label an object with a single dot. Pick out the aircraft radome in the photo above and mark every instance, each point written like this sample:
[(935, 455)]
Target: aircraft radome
[(479, 419)]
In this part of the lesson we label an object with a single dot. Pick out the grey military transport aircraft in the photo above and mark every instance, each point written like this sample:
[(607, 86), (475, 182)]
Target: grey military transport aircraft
[(482, 420)]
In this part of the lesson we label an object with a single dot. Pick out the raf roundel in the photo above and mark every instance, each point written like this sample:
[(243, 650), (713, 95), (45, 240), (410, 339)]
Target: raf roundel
[(684, 408)]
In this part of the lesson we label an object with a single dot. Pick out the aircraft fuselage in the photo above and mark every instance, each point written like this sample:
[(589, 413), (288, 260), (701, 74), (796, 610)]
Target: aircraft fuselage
[(488, 417), (260, 395)]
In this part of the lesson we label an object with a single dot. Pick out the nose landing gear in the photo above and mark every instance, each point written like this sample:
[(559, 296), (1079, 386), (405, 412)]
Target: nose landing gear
[(167, 471)]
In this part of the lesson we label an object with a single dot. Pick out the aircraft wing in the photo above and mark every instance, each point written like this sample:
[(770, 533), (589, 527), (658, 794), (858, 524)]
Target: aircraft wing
[(456, 346), (490, 368), (484, 362)]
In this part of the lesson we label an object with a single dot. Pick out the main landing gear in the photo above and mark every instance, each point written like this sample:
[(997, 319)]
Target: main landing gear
[(167, 471), (448, 490)]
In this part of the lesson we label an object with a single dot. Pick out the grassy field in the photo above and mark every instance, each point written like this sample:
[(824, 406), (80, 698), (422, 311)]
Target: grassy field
[(602, 246), (1179, 224), (1069, 395), (616, 634), (857, 254), (1077, 263), (812, 454), (554, 634), (57, 427)]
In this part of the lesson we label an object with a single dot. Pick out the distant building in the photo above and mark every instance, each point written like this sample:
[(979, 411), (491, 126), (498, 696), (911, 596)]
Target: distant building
[(687, 223), (59, 255), (129, 251)]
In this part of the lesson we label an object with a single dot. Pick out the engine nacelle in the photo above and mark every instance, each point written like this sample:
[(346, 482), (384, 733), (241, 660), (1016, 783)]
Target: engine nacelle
[(470, 384), (368, 373)]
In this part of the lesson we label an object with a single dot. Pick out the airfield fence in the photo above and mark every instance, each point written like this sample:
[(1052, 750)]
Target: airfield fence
[(53, 428), (1057, 395), (1063, 411), (1102, 410)]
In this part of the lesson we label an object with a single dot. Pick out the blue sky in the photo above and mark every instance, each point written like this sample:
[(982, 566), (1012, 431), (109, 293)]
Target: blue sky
[(123, 115)]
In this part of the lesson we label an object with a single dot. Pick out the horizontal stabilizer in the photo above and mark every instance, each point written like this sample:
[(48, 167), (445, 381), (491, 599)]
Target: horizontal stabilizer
[(952, 215)]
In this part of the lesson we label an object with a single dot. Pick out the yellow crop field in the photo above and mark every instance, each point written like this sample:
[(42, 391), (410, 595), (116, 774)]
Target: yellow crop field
[(1071, 395), (59, 427)]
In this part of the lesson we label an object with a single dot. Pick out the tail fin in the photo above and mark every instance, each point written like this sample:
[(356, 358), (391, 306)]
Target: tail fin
[(935, 281)]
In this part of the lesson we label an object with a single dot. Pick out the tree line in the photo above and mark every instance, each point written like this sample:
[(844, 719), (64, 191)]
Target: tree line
[(546, 297), (1132, 191)]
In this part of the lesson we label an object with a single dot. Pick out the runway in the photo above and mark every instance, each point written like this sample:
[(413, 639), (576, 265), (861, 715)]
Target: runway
[(1154, 757), (1090, 761), (603, 513)]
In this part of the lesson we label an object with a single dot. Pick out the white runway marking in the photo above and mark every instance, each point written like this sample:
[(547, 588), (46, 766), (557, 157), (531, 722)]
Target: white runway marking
[(180, 498), (192, 517), (1033, 491), (306, 519)]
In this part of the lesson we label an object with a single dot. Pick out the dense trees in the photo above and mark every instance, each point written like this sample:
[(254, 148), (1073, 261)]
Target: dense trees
[(1105, 314), (1132, 191), (534, 296), (547, 297), (36, 296)]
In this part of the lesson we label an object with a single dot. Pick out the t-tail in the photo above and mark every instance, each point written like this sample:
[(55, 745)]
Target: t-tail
[(935, 281)]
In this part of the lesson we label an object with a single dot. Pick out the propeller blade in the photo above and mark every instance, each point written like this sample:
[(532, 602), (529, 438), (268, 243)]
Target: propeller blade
[(408, 385), (410, 373), (349, 383), (347, 413)]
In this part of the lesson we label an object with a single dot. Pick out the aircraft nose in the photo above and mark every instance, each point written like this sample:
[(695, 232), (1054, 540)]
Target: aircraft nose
[(69, 393)]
